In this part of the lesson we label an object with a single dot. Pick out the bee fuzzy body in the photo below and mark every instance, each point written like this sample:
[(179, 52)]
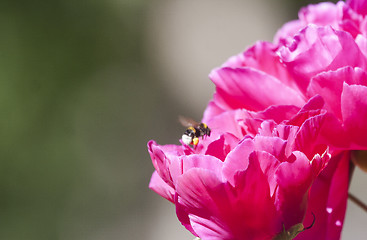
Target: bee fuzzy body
[(192, 133)]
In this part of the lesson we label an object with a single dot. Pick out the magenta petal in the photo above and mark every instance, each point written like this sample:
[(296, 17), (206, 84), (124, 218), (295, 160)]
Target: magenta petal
[(314, 103), (277, 113), (269, 165), (251, 89), (286, 132), (273, 145), (237, 159), (328, 200), (262, 56), (253, 191), (311, 108), (317, 49), (202, 161), (308, 137), (351, 21), (284, 35), (294, 179), (161, 187), (219, 211), (185, 163), (322, 14), (333, 134), (338, 202), (361, 41), (301, 117), (330, 86), (221, 147), (201, 197), (266, 128), (182, 215), (160, 161), (231, 120), (360, 6), (295, 173), (211, 111), (354, 111)]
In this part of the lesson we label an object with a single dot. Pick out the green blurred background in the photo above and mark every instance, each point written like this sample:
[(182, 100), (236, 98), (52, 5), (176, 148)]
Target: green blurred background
[(77, 106), (82, 90)]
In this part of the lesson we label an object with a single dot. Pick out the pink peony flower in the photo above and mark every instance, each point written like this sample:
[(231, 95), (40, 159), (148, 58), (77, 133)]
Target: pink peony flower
[(248, 179), (318, 55), (315, 55), (329, 59), (338, 75), (275, 109), (348, 17)]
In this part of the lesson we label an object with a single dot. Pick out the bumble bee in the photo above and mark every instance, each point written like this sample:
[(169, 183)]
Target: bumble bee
[(194, 131)]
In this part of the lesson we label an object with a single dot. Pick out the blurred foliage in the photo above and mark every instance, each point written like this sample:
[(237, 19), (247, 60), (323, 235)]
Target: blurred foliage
[(72, 86)]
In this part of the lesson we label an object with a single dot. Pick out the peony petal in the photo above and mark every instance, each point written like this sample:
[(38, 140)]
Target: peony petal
[(254, 193), (354, 111), (333, 134), (285, 34), (361, 41), (267, 128), (185, 163), (228, 122), (273, 145), (328, 200), (277, 113), (237, 159), (222, 146), (250, 89), (161, 187), (360, 6), (310, 109), (269, 165), (308, 137), (294, 180), (351, 21), (329, 85), (338, 202), (326, 85), (160, 161), (314, 103), (211, 111), (201, 197), (318, 49), (182, 215), (262, 56), (321, 14), (219, 211)]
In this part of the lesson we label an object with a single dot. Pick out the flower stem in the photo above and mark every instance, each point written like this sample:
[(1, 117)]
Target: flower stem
[(357, 201)]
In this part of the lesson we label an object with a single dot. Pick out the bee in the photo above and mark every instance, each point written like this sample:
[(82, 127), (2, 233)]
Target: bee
[(194, 131)]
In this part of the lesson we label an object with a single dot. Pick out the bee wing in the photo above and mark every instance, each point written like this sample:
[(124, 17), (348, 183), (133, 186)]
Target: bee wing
[(187, 122)]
